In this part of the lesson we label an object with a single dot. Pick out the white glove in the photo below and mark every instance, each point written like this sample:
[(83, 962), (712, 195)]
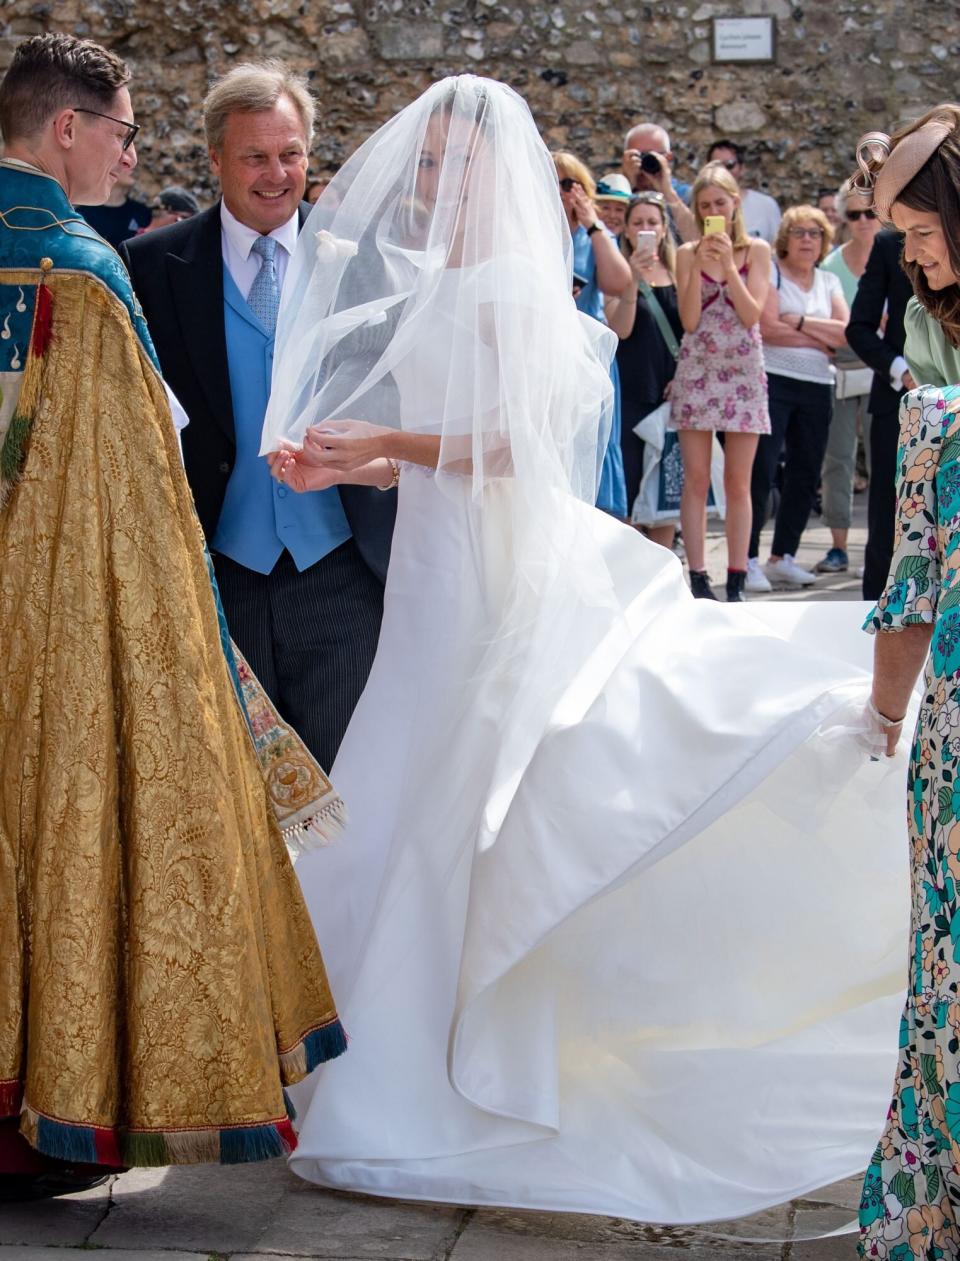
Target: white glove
[(877, 735)]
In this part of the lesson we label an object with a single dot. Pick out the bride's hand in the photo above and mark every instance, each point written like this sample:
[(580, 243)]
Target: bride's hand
[(290, 468), (345, 444)]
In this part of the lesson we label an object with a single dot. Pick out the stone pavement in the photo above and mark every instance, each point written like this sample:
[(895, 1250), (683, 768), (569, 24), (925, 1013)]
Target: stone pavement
[(813, 547), (264, 1212)]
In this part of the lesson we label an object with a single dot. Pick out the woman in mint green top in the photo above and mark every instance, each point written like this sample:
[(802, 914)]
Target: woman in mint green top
[(912, 1185), (931, 356)]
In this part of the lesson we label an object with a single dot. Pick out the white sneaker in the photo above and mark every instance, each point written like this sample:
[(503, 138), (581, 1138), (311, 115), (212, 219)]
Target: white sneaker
[(787, 570), (756, 579)]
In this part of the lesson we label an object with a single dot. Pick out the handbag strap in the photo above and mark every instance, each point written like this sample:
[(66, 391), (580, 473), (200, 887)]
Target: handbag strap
[(660, 318)]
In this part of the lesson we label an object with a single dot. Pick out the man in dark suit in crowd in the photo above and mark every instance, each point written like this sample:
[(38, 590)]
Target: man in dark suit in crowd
[(883, 287), (301, 576)]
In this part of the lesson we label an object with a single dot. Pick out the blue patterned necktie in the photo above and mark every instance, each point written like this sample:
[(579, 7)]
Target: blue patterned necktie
[(264, 296)]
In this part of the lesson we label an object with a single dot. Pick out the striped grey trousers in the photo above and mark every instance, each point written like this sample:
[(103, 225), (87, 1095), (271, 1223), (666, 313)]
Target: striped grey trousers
[(309, 637)]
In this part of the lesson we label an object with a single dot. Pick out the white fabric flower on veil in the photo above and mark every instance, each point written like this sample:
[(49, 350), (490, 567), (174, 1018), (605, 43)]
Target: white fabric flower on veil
[(333, 249)]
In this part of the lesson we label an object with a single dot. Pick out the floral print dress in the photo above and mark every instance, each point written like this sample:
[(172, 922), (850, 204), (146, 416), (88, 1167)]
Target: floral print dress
[(720, 383), (907, 1212)]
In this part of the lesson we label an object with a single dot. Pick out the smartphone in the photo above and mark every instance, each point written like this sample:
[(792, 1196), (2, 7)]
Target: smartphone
[(580, 281), (713, 223), (646, 242)]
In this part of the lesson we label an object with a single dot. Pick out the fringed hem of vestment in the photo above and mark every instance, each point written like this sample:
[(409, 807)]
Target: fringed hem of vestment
[(325, 1042), (120, 1146), (116, 1147)]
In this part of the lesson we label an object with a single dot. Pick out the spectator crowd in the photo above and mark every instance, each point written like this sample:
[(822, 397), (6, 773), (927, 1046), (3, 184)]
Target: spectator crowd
[(759, 363), (760, 359)]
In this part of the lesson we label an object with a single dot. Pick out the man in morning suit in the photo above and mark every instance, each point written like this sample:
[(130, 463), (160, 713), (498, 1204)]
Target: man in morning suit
[(301, 576), (883, 287)]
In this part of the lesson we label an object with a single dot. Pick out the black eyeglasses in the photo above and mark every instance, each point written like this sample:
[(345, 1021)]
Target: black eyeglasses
[(567, 184), (132, 128), (730, 163), (854, 215)]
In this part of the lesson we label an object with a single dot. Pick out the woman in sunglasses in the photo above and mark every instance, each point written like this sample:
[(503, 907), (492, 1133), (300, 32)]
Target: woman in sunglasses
[(804, 322), (847, 262), (599, 271)]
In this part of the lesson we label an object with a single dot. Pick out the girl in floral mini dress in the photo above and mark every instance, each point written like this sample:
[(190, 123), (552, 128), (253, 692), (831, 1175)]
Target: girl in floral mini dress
[(720, 384)]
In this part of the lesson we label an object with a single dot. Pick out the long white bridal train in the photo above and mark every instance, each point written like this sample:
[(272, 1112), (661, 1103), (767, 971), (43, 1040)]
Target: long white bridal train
[(667, 987)]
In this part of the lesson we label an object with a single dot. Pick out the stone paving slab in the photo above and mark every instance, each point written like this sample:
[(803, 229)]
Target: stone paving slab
[(843, 1248), (121, 1254), (266, 1209), (201, 1212), (313, 1222), (65, 1222)]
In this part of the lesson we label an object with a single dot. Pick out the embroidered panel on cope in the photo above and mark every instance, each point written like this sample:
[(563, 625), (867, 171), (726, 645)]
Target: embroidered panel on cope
[(16, 316)]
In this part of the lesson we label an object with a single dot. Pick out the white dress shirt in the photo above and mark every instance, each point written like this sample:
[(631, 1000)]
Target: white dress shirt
[(237, 243), (761, 214)]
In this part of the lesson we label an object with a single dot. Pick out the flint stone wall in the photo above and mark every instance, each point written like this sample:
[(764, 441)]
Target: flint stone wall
[(587, 69)]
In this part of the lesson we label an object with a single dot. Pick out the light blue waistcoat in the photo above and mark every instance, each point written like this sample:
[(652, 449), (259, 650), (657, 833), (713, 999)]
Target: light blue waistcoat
[(260, 517)]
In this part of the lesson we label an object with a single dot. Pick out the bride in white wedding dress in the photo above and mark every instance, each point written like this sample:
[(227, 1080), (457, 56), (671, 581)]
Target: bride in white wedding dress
[(617, 922)]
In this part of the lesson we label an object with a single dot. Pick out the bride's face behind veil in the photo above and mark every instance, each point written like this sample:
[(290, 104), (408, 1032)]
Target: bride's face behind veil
[(455, 185)]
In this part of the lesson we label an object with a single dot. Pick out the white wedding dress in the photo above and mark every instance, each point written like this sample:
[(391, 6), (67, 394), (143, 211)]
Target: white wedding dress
[(667, 986)]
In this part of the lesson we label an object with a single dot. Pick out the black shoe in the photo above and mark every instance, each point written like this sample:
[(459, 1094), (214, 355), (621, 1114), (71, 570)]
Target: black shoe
[(20, 1187), (735, 580), (700, 585)]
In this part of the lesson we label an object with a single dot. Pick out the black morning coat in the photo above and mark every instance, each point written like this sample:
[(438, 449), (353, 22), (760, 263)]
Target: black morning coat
[(177, 275)]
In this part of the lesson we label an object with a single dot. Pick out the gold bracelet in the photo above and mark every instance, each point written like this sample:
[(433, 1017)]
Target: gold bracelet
[(395, 475)]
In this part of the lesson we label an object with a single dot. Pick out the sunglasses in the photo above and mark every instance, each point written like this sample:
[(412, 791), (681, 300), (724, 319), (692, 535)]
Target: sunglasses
[(132, 128), (854, 215), (567, 184), (799, 233)]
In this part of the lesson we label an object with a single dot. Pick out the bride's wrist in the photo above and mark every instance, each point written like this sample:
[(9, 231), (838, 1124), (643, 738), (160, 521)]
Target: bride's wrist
[(388, 474)]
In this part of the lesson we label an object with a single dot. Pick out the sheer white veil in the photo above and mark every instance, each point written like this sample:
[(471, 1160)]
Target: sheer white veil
[(431, 290)]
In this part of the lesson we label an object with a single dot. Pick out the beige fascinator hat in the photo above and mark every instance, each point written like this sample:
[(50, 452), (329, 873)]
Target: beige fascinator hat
[(888, 164)]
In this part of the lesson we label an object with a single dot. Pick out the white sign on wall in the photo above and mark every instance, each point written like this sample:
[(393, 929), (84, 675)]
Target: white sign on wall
[(744, 39)]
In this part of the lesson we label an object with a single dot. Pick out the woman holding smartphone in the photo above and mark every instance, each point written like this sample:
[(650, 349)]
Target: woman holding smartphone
[(646, 319), (722, 283)]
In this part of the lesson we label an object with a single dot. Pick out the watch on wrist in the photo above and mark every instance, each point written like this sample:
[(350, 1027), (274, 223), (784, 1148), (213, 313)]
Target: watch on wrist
[(594, 227)]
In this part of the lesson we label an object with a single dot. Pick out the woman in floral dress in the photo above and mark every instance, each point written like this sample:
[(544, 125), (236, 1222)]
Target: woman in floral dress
[(912, 1185), (720, 384)]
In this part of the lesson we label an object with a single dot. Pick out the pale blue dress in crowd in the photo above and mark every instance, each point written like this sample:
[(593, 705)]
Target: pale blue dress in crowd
[(612, 493)]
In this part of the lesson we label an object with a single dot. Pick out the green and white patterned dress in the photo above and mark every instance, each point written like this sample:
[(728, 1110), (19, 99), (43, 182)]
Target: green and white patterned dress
[(912, 1186)]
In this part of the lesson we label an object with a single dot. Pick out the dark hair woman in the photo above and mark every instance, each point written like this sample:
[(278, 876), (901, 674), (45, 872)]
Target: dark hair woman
[(646, 319), (912, 179)]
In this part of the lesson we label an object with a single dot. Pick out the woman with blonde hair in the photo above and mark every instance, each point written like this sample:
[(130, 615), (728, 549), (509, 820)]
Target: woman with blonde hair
[(804, 323), (722, 282), (646, 319), (599, 271)]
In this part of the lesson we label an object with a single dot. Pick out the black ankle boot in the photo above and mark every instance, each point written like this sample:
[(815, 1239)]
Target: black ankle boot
[(735, 580), (700, 585)]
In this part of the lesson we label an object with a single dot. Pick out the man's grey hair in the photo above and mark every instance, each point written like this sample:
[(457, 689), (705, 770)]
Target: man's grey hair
[(255, 86), (653, 127)]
